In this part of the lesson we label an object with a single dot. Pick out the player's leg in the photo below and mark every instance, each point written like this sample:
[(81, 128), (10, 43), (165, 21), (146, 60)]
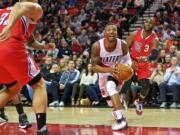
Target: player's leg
[(145, 84), (3, 117), (39, 103), (23, 120), (111, 87), (7, 94)]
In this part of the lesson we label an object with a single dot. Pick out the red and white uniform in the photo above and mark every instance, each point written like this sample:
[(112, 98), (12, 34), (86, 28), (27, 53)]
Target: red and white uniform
[(16, 65), (109, 59), (142, 47)]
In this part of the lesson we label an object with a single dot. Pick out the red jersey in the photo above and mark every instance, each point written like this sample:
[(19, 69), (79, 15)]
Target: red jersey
[(141, 46), (16, 65), (24, 25)]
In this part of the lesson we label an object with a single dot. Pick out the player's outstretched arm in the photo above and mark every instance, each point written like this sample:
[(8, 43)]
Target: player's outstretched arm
[(39, 46), (95, 59), (28, 9)]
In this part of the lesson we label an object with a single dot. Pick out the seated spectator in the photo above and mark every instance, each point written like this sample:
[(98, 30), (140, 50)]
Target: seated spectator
[(167, 63), (172, 81), (68, 78), (92, 92), (52, 85), (162, 55), (125, 17), (156, 78), (178, 57), (128, 3), (45, 68), (88, 78), (64, 49), (76, 48)]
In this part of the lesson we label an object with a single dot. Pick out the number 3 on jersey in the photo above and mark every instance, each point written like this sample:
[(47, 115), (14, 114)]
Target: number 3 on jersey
[(146, 48), (4, 18)]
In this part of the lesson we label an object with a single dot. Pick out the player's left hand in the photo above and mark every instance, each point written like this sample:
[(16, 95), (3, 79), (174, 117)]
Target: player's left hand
[(50, 46), (5, 34)]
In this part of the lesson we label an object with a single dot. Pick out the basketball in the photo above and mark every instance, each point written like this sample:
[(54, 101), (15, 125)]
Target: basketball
[(122, 72)]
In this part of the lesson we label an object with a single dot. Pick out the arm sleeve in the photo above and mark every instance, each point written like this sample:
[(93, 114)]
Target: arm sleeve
[(154, 54)]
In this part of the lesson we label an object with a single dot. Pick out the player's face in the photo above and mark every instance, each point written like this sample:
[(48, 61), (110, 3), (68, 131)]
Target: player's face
[(111, 32), (149, 25)]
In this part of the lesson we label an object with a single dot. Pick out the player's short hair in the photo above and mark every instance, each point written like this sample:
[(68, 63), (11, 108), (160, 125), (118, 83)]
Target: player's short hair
[(109, 23)]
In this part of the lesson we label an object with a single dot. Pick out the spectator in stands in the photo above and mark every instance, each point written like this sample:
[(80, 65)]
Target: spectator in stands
[(162, 55), (46, 67), (171, 84), (128, 3), (125, 19), (178, 57), (167, 63), (88, 78), (76, 48), (170, 42), (64, 49), (172, 50), (63, 64), (67, 80), (52, 74), (92, 92), (83, 38)]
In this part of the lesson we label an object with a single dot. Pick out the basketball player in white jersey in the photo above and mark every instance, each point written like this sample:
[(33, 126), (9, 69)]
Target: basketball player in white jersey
[(106, 53)]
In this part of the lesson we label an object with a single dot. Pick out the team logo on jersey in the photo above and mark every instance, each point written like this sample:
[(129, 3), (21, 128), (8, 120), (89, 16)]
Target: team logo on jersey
[(110, 59), (138, 46)]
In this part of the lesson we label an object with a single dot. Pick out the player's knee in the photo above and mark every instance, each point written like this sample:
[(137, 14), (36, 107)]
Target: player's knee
[(111, 88), (13, 88)]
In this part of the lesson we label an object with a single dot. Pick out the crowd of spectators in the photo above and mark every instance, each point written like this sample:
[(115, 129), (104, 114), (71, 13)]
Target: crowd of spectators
[(74, 25)]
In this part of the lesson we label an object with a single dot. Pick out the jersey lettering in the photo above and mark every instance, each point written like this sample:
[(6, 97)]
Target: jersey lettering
[(4, 18)]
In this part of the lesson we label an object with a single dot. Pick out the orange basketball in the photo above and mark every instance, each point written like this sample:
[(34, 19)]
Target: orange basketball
[(122, 72)]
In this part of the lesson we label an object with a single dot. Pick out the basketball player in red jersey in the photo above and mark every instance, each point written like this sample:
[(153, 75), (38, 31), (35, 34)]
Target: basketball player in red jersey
[(105, 54), (17, 68), (23, 120), (143, 45)]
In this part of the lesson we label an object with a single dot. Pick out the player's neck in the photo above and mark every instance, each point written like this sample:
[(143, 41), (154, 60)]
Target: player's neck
[(146, 33), (110, 46)]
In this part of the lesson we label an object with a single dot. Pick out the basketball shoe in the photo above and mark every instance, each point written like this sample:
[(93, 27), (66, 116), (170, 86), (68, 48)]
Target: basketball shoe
[(23, 121), (139, 106), (120, 124)]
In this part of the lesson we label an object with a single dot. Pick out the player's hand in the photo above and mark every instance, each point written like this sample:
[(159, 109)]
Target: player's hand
[(134, 65), (50, 46), (5, 34)]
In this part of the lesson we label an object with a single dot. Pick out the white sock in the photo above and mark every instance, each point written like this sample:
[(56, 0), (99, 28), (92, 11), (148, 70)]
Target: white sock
[(118, 114)]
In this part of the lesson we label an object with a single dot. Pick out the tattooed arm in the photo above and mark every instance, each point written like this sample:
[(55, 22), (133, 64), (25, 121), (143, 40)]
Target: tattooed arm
[(95, 58)]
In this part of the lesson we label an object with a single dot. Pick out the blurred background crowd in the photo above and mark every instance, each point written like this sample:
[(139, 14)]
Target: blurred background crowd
[(74, 25)]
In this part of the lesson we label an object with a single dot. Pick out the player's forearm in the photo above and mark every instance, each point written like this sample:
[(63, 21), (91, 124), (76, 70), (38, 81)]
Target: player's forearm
[(99, 69), (28, 9), (37, 45)]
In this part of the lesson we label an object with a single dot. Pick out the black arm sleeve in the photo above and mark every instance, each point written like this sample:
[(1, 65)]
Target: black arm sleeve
[(154, 54)]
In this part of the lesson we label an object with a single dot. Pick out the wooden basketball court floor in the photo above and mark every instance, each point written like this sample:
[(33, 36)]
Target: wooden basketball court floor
[(97, 121)]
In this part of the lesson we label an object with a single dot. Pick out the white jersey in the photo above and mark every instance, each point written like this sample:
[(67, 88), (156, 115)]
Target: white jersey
[(109, 59)]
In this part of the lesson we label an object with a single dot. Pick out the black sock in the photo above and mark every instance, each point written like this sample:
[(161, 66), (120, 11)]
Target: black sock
[(19, 108), (41, 120), (1, 111)]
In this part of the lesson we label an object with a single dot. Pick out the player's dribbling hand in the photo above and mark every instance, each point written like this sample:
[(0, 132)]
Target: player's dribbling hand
[(134, 66), (5, 34), (50, 46)]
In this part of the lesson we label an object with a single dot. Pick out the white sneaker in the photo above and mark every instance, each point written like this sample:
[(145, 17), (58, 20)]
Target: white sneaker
[(54, 104), (121, 124), (61, 103), (163, 105), (139, 107), (174, 105)]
